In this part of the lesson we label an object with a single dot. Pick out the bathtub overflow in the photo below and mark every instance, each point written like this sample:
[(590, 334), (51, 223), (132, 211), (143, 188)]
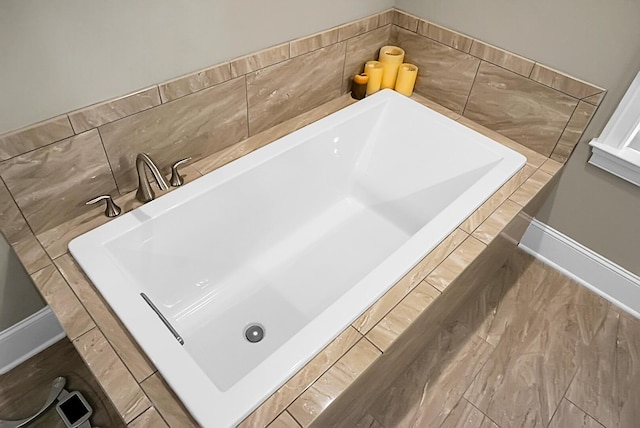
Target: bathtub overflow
[(254, 333)]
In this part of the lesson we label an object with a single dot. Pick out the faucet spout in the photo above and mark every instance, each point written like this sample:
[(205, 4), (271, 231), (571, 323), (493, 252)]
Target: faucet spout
[(145, 193)]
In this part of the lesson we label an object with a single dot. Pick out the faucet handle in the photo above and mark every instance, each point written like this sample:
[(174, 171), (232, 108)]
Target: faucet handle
[(176, 179), (112, 210)]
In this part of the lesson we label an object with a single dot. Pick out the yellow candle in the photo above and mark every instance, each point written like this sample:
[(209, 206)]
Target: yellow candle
[(373, 69), (407, 74), (391, 57)]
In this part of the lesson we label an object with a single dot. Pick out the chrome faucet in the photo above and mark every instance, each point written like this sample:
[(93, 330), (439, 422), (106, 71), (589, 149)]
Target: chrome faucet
[(145, 192)]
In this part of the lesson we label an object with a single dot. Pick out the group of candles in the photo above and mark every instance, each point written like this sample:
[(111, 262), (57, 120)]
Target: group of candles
[(388, 72)]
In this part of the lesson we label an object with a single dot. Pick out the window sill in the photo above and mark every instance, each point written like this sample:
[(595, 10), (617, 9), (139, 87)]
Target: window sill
[(624, 163)]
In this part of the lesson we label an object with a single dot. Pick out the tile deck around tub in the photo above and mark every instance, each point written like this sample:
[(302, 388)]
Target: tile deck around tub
[(115, 359)]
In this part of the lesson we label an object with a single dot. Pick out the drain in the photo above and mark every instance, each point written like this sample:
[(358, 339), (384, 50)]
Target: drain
[(254, 333)]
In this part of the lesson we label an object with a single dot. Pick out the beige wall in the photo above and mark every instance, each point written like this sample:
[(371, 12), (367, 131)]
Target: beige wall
[(18, 296), (598, 41), (62, 55)]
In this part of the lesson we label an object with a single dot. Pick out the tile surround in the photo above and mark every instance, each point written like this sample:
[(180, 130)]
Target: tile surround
[(362, 40), (99, 114), (536, 115), (52, 184), (573, 131), (178, 129), (564, 83), (259, 60), (194, 82), (361, 49), (502, 58), (34, 136), (356, 28), (270, 89), (445, 36), (312, 43), (445, 75)]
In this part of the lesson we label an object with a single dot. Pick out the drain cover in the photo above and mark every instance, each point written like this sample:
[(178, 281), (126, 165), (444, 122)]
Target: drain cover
[(254, 333)]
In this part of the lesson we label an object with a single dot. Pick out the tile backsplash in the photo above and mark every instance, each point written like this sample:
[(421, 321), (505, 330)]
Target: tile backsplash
[(51, 168)]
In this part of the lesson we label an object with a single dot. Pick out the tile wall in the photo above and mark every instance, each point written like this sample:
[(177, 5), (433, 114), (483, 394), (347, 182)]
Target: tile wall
[(52, 168)]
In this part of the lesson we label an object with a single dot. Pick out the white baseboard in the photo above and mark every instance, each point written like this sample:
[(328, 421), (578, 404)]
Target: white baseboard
[(600, 275), (25, 339)]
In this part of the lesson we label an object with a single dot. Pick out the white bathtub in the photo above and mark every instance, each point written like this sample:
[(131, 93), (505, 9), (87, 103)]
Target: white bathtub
[(300, 237)]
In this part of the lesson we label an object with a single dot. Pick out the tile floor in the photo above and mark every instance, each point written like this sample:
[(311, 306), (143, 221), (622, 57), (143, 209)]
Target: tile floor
[(538, 350), (25, 388)]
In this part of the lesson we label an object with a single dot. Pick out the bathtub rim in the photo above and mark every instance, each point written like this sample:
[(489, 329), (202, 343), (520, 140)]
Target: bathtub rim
[(147, 321)]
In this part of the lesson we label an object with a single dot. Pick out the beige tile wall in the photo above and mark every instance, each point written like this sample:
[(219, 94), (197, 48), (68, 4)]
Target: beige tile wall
[(539, 107), (53, 167)]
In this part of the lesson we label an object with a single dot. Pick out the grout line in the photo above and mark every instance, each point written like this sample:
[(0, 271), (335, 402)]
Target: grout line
[(113, 174), (565, 128), (475, 77), (583, 410), (246, 100), (476, 407)]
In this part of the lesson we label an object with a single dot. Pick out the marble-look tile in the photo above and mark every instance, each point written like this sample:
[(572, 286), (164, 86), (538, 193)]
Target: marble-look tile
[(258, 60), (435, 107), (391, 298), (285, 420), (52, 184), (368, 421), (166, 403), (495, 200), (263, 138), (124, 345), (445, 75), (56, 292), (282, 91), (194, 82), (361, 49), (284, 396), (109, 111), (443, 35), (333, 382), (357, 28), (31, 254), (176, 130), (573, 131), (386, 18), (428, 390), (502, 58), (534, 158), (530, 188), (464, 415), (595, 99), (405, 20), (551, 167), (401, 316), (12, 223), (568, 415), (313, 42), (607, 382), (496, 222), (455, 263), (149, 419), (24, 140), (563, 82), (115, 379), (536, 116), (56, 240)]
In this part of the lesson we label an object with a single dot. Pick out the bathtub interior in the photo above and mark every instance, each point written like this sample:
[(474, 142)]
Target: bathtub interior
[(279, 243)]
